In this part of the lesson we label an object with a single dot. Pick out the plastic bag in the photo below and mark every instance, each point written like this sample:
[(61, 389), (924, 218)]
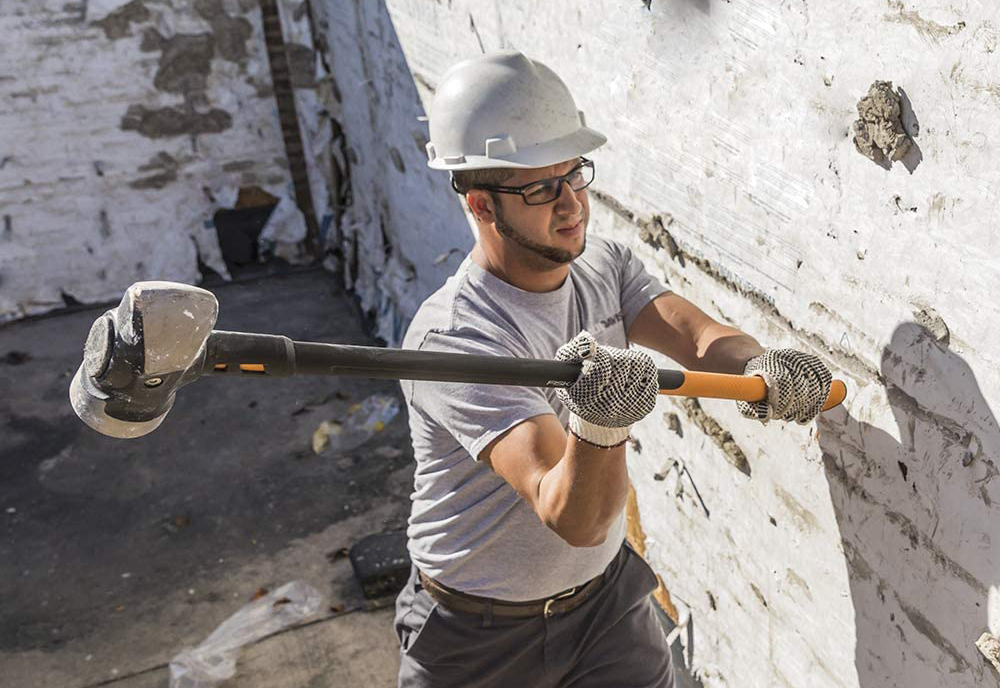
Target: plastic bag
[(363, 421), (214, 660)]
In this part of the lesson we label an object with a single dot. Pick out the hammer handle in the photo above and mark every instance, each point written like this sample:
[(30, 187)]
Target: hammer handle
[(247, 354)]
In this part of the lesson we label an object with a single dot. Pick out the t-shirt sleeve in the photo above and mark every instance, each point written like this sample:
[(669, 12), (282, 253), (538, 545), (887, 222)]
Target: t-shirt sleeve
[(473, 413), (638, 287)]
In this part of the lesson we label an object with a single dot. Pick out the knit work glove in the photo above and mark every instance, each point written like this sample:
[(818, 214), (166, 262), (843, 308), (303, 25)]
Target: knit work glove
[(798, 385), (616, 388)]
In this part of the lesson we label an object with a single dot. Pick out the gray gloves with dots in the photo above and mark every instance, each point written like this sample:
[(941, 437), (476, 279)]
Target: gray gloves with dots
[(616, 388), (798, 385)]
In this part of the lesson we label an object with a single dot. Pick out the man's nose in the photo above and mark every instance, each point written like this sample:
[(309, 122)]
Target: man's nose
[(568, 203)]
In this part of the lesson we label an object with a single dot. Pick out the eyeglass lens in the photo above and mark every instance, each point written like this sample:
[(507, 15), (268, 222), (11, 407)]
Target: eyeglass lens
[(549, 190)]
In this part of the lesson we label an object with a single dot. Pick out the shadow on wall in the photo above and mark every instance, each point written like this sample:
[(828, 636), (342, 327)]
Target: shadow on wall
[(915, 518)]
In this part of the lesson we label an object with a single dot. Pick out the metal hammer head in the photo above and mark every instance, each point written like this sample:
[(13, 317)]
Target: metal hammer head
[(138, 355)]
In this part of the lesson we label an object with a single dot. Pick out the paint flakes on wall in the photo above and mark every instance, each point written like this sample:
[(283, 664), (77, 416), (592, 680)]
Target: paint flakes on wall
[(878, 132)]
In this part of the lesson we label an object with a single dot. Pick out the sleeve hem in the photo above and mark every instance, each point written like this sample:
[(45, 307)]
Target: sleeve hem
[(480, 443)]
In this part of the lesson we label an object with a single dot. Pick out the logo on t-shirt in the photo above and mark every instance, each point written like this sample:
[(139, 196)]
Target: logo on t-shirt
[(608, 322)]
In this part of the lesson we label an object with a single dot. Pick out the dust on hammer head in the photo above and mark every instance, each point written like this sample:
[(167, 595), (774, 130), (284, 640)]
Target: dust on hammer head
[(139, 354)]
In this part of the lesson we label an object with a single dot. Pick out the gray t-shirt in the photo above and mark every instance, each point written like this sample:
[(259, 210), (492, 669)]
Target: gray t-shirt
[(468, 528)]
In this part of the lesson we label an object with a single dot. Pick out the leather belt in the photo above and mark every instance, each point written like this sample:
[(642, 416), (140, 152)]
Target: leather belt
[(563, 602)]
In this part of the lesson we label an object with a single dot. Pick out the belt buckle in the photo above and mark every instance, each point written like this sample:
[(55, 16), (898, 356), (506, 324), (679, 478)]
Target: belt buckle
[(547, 610)]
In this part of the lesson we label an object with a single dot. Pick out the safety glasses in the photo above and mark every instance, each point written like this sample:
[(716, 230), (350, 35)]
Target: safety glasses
[(547, 190)]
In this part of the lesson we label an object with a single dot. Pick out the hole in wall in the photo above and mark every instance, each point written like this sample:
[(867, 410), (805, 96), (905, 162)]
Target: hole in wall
[(239, 227)]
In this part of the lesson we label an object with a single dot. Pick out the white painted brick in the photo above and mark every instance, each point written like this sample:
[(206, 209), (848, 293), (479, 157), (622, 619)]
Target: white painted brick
[(65, 87)]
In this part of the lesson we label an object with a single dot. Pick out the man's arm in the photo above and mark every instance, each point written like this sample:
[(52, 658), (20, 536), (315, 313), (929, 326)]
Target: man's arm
[(577, 489), (798, 383), (577, 484), (677, 328)]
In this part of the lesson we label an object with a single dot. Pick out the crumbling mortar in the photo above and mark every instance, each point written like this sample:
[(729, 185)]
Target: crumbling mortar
[(714, 431), (879, 134)]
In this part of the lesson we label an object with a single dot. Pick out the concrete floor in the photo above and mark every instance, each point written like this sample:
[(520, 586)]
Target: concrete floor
[(116, 554)]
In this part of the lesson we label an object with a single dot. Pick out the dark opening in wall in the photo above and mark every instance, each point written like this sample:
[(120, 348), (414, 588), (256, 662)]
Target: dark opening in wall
[(239, 228)]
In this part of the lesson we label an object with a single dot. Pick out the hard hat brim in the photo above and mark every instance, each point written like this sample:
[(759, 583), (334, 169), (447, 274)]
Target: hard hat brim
[(580, 142)]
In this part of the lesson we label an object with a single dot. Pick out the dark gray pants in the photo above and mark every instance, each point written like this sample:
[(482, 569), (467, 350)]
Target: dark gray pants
[(613, 639)]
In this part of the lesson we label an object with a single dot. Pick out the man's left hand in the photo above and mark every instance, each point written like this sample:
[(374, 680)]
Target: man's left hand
[(798, 385)]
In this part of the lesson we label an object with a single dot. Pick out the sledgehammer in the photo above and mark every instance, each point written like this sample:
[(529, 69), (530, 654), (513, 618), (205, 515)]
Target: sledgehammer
[(160, 338)]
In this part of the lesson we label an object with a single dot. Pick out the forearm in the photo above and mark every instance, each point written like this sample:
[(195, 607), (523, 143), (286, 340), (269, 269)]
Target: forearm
[(677, 328), (723, 349), (581, 496)]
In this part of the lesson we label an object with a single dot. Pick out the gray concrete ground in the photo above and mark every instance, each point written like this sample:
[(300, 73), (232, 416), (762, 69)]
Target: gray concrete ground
[(116, 554)]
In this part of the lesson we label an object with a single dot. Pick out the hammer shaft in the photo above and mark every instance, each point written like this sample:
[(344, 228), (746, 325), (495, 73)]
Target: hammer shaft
[(238, 353)]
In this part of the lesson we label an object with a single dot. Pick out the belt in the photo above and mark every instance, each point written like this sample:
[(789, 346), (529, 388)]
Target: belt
[(562, 603)]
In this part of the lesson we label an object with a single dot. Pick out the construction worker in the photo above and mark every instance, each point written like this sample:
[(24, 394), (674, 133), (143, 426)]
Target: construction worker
[(521, 575)]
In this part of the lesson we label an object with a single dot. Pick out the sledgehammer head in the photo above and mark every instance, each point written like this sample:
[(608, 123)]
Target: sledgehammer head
[(138, 355)]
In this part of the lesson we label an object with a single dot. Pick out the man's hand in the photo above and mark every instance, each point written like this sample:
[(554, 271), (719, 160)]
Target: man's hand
[(798, 385), (616, 387)]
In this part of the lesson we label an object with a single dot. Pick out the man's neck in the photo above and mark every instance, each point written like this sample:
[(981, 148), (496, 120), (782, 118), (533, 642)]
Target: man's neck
[(518, 272)]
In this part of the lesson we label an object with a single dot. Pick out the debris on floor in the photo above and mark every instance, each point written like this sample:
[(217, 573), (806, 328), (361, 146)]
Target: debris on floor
[(214, 660), (381, 563), (363, 421)]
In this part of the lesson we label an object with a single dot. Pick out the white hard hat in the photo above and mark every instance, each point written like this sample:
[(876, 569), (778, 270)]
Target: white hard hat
[(505, 110)]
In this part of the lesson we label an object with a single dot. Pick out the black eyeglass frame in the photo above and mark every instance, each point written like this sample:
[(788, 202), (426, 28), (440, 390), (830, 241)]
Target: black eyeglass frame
[(519, 190)]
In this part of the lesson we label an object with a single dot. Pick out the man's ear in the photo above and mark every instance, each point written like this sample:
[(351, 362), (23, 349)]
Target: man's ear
[(481, 204)]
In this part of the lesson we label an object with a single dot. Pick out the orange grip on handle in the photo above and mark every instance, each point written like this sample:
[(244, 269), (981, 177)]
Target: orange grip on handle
[(739, 388)]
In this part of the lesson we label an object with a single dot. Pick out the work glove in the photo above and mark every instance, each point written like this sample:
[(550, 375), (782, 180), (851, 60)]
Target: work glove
[(616, 388), (798, 385)]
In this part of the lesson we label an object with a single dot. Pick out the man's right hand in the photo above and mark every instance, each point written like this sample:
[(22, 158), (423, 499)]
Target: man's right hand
[(616, 388)]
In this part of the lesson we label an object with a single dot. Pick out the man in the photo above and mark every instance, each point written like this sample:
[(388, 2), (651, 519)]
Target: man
[(521, 577)]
